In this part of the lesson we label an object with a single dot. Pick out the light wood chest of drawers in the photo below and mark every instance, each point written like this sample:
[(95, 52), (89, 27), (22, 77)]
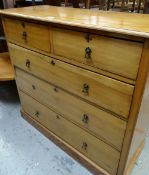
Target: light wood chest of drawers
[(83, 82)]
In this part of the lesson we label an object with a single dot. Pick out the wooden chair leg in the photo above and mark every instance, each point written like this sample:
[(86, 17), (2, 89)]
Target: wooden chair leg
[(8, 3), (146, 7), (139, 6), (123, 6), (133, 6), (108, 4), (33, 2), (101, 4), (75, 3), (113, 4), (88, 4), (66, 3)]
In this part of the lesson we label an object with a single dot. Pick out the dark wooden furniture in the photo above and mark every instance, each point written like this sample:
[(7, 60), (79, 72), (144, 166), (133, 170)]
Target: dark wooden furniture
[(75, 3), (24, 3), (138, 6), (7, 3), (51, 2), (101, 4)]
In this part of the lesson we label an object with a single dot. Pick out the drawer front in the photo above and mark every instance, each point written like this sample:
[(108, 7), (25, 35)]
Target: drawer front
[(103, 91), (102, 124), (91, 147), (113, 55), (27, 34)]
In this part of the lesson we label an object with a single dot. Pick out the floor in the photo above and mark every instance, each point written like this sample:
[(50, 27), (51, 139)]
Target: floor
[(25, 151)]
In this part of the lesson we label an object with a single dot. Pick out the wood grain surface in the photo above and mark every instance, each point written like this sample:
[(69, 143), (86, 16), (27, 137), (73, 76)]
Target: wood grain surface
[(109, 157), (6, 68), (125, 23), (100, 123), (103, 91)]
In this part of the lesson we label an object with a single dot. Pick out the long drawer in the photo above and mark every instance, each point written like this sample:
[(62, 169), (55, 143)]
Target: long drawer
[(91, 147), (118, 56), (103, 91), (27, 34), (102, 124)]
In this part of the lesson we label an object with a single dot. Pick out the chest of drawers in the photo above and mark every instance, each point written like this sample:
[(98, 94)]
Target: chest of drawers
[(82, 78)]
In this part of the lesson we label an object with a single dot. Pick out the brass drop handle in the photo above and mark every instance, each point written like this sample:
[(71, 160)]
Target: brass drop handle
[(84, 146), (56, 89), (57, 116), (28, 63), (53, 62), (85, 118), (88, 52), (37, 114), (85, 89), (33, 86), (24, 36), (23, 24), (88, 37)]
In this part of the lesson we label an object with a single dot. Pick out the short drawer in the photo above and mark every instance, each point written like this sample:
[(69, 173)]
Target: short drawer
[(101, 90), (100, 123), (93, 148), (27, 34), (117, 56)]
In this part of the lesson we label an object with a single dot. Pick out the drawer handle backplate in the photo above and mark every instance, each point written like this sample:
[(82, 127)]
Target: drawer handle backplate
[(85, 89), (28, 63), (37, 114), (24, 36), (34, 87), (84, 146), (85, 118), (88, 37), (52, 62), (56, 89), (88, 52), (23, 24), (57, 116)]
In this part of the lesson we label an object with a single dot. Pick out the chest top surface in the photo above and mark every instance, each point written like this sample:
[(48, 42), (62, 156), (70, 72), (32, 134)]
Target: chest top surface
[(118, 22)]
